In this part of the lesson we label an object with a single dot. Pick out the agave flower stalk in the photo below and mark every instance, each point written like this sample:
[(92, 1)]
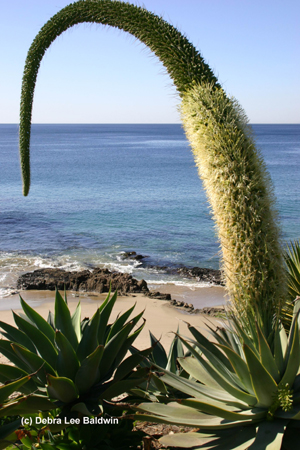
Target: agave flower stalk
[(242, 394), (234, 175)]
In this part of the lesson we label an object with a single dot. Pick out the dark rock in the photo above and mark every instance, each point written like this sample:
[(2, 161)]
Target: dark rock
[(133, 255), (159, 295), (98, 280), (201, 274), (211, 311)]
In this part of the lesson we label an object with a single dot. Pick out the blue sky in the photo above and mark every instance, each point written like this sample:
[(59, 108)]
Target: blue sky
[(95, 74)]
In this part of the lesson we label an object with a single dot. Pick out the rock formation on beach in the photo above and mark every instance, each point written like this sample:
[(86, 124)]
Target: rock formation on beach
[(97, 280)]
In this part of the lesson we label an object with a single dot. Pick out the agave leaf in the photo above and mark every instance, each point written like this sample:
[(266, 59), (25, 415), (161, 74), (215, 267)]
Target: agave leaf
[(269, 435), (183, 415), (158, 384), (263, 383), (226, 383), (227, 439), (62, 389), (27, 405), (76, 321), (244, 337), (112, 348), (88, 373), (121, 387), (293, 362), (197, 371), (130, 363), (221, 336), (280, 346), (240, 367), (7, 351), (50, 320), (63, 321), (215, 367), (159, 353), (266, 356), (291, 337), (9, 373), (34, 362), (89, 341), (7, 429), (127, 344), (44, 346), (196, 389), (207, 346), (119, 323), (67, 361), (218, 409), (38, 320), (105, 311), (82, 408), (7, 389), (15, 335), (176, 351)]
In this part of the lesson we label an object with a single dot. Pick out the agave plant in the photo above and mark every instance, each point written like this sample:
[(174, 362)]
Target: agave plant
[(78, 366), (246, 393)]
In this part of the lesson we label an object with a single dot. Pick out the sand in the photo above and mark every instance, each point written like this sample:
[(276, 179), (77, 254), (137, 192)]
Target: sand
[(161, 318)]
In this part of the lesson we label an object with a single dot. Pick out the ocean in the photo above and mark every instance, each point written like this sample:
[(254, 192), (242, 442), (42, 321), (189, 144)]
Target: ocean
[(98, 191)]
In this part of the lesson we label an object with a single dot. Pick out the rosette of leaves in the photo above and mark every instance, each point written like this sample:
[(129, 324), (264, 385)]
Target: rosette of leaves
[(79, 366), (245, 392)]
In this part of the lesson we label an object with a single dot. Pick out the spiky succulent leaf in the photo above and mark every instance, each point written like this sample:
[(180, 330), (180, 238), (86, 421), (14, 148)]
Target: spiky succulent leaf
[(43, 345), (240, 367), (62, 388), (76, 321), (231, 439), (280, 346), (7, 389), (89, 340), (159, 353), (197, 371), (89, 373), (38, 320), (184, 415), (33, 362), (105, 311), (263, 383), (15, 335), (67, 360), (63, 321)]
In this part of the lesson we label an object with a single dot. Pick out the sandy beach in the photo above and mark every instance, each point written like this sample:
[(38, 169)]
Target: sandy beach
[(161, 318)]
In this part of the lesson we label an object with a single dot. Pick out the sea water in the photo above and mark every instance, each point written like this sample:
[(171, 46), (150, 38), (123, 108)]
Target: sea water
[(98, 191)]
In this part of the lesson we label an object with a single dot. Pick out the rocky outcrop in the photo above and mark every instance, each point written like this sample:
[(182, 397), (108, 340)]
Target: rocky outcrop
[(214, 311), (97, 280), (133, 255), (201, 274)]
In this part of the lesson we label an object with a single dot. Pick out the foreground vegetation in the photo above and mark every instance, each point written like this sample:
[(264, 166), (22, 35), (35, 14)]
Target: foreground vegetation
[(242, 390)]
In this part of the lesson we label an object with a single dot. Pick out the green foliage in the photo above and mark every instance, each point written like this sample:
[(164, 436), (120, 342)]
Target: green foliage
[(154, 389), (243, 392), (77, 367)]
